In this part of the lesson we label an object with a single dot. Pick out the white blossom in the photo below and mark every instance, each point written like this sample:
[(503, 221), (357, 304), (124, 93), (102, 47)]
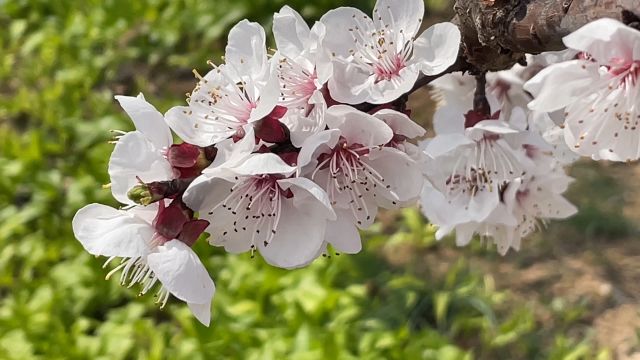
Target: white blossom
[(148, 258), (232, 96), (358, 171), (598, 91), (377, 60)]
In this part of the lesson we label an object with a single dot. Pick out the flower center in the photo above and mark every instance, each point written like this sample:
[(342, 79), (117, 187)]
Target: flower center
[(255, 202), (225, 106), (482, 167), (135, 270), (350, 180), (628, 71), (383, 52), (297, 84), (389, 68)]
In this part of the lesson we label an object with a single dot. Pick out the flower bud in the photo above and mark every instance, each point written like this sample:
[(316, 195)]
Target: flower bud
[(148, 193), (141, 194)]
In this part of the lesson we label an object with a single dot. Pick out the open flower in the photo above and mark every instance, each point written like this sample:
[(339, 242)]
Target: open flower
[(303, 68), (255, 204), (533, 200), (377, 60), (154, 243), (232, 96), (599, 91), (358, 172), (469, 162)]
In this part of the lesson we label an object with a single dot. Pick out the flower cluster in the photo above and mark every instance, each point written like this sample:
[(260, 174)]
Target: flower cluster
[(277, 155), (288, 154)]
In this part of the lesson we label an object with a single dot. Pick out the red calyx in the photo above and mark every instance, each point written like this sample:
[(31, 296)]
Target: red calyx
[(192, 230), (270, 129), (189, 160), (176, 222), (473, 117), (170, 220)]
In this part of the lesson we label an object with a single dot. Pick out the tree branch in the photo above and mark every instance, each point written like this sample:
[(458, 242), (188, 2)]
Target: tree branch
[(497, 33)]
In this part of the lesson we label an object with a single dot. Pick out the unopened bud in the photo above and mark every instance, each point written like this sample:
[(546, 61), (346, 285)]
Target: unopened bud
[(141, 194), (148, 193)]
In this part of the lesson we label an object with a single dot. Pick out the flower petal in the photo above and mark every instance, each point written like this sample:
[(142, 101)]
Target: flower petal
[(314, 145), (306, 191), (437, 48), (183, 122), (343, 235), (259, 164), (207, 191), (338, 39), (385, 91), (350, 84), (147, 120), (606, 39), (560, 84), (136, 157), (181, 272), (443, 144), (299, 237), (400, 123), (404, 17), (290, 31), (246, 50), (103, 230), (358, 127), (400, 173)]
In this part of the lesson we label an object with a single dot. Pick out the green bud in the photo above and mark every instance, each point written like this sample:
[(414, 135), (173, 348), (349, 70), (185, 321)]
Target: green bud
[(141, 194)]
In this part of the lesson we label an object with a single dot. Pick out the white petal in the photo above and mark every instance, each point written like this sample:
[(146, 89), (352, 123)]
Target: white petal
[(338, 39), (492, 126), (443, 144), (299, 237), (605, 39), (386, 91), (290, 31), (135, 157), (401, 174), (437, 48), (343, 235), (202, 312), (225, 234), (449, 120), (358, 127), (183, 122), (103, 230), (180, 271), (246, 50), (302, 127), (400, 123), (147, 120), (258, 164), (313, 146), (464, 233), (307, 192), (269, 94), (231, 153), (350, 84), (405, 15), (558, 85), (207, 191)]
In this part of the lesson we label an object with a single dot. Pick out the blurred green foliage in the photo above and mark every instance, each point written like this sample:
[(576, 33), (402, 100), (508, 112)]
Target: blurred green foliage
[(60, 64)]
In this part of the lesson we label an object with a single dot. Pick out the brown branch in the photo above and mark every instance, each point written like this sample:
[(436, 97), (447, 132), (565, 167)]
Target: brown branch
[(497, 33)]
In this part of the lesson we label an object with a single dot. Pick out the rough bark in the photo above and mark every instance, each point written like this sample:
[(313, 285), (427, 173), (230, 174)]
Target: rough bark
[(497, 33)]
